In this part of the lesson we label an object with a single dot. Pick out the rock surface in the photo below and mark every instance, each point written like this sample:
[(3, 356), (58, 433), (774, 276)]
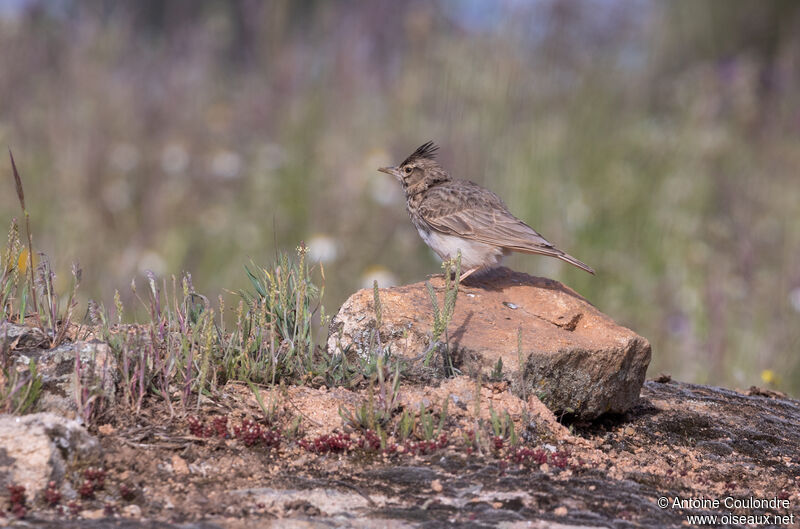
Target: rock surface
[(321, 406), (38, 448), (22, 336), (57, 369), (681, 440), (573, 357)]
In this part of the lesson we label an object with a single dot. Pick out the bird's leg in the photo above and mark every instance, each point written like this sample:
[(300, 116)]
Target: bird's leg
[(467, 273)]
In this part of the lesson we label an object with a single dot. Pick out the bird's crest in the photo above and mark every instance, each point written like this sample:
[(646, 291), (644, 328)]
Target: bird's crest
[(426, 151)]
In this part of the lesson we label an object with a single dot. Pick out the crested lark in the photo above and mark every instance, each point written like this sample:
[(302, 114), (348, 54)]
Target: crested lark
[(452, 215)]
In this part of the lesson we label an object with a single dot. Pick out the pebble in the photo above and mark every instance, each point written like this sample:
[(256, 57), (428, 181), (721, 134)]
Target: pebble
[(132, 511), (179, 465), (94, 514), (106, 429)]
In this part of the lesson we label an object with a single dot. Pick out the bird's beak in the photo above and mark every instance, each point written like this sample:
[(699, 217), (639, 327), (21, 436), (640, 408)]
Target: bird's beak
[(394, 171)]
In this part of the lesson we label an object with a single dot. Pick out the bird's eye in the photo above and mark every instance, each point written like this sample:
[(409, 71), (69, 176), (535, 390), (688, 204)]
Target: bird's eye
[(407, 169)]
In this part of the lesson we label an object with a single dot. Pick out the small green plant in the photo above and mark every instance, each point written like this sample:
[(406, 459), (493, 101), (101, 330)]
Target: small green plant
[(21, 198), (406, 426), (444, 314), (91, 393), (52, 315), (363, 417), (340, 370), (426, 423), (20, 281), (175, 353), (13, 260), (277, 332), (503, 426), (376, 412), (186, 350), (270, 411), (122, 344), (443, 414), (430, 428), (521, 369), (295, 428), (497, 372), (388, 393)]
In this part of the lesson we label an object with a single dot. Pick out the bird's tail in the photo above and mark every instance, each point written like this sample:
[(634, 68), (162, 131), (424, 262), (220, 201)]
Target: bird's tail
[(571, 260), (554, 252)]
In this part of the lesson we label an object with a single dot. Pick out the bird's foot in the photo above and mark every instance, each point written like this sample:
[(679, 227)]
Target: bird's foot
[(468, 273), (452, 273)]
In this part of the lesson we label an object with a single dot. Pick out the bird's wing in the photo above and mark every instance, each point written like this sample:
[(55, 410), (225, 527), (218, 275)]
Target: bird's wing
[(478, 214), (472, 212)]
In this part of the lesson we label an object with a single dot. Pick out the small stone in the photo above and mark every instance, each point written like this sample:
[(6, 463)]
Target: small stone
[(436, 485), (92, 514), (106, 429), (132, 511), (179, 466), (560, 511)]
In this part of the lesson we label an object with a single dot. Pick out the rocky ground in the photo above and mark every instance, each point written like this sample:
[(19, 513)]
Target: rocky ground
[(229, 463), (681, 440)]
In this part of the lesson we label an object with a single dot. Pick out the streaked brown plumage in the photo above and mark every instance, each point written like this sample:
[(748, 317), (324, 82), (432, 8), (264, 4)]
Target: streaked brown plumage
[(452, 215)]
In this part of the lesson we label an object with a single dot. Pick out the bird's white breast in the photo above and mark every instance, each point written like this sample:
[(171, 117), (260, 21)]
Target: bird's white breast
[(474, 254)]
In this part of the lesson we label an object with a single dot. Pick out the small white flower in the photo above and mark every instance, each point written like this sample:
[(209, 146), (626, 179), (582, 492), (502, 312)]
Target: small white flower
[(382, 275), (323, 248), (150, 260)]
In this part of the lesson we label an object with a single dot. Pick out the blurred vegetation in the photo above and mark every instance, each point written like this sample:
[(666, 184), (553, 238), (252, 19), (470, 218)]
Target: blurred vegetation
[(657, 141)]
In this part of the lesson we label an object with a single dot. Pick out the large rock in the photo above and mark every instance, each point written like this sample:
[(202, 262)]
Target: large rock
[(574, 358), (56, 367), (38, 448)]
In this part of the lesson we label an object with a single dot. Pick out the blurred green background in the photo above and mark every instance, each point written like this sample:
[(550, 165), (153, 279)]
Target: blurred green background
[(657, 141)]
